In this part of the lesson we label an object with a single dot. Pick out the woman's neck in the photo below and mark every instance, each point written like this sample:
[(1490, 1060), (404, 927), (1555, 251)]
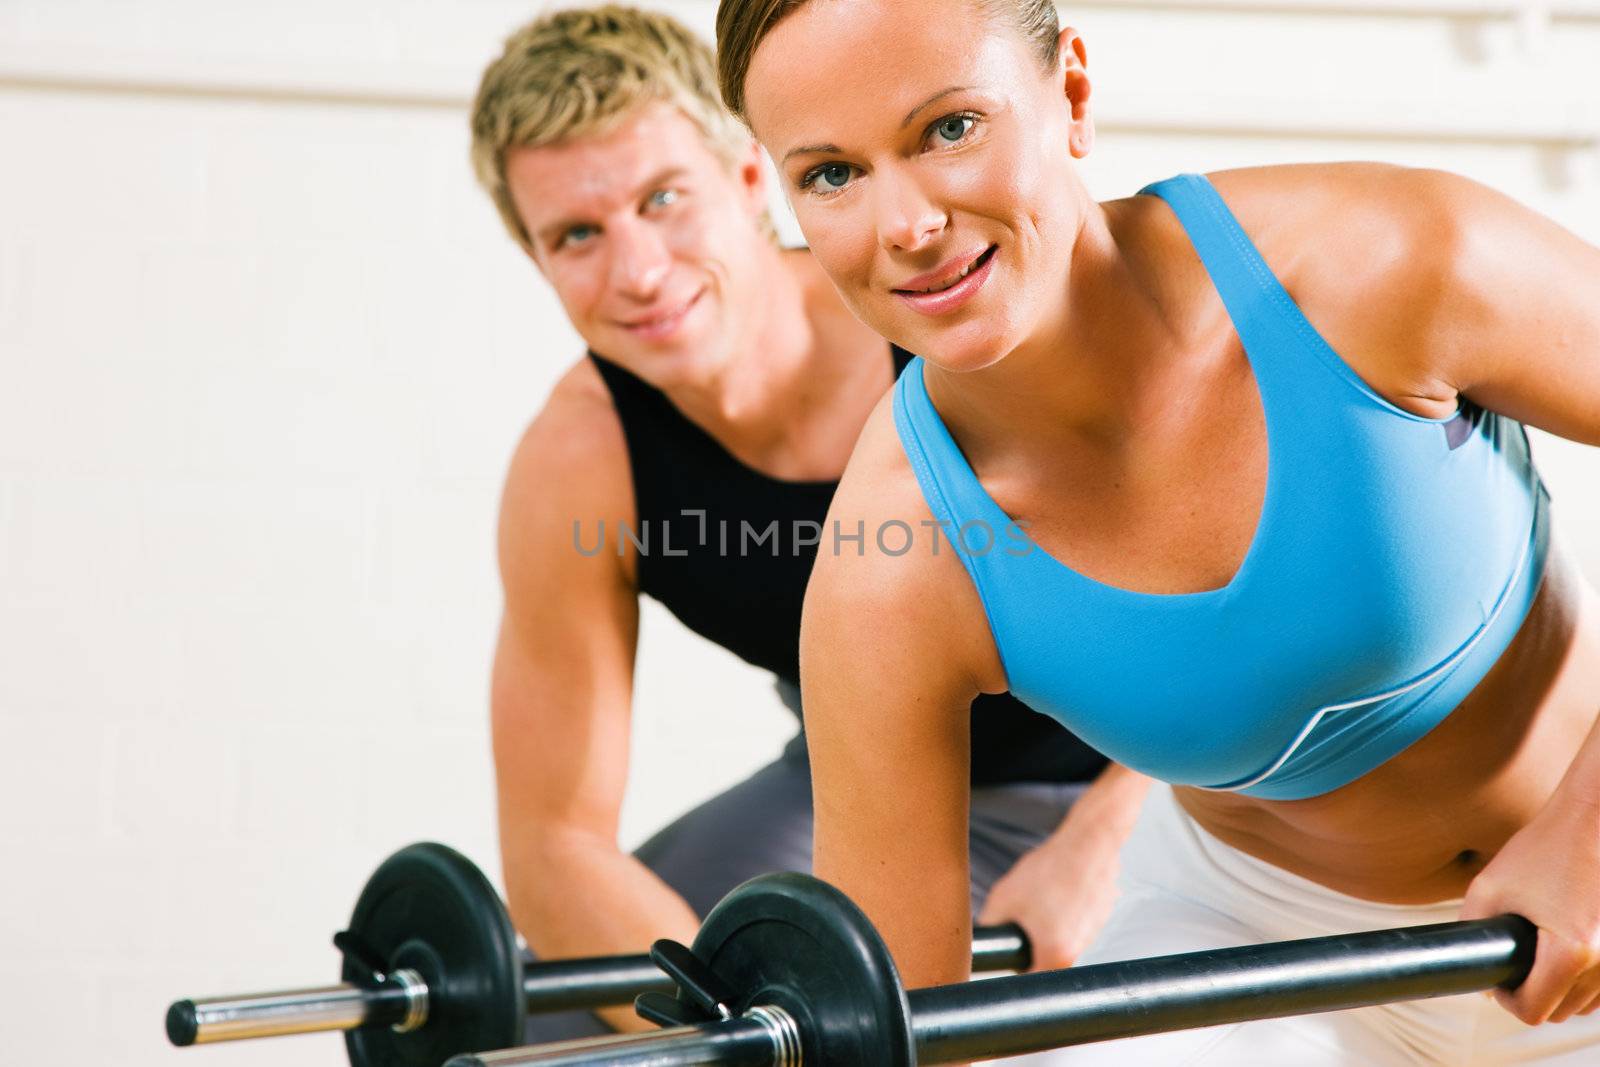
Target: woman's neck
[(1097, 370)]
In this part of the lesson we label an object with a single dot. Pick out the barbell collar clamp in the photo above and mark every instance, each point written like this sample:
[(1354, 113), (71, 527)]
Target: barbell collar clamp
[(416, 993)]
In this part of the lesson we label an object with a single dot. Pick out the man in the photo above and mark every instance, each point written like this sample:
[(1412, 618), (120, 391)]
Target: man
[(691, 456)]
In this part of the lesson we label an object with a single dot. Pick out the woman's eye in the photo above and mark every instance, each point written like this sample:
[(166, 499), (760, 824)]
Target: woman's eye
[(829, 177), (834, 175), (954, 128)]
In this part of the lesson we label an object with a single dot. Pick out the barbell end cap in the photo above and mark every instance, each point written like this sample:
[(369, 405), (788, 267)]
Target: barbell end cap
[(183, 1023)]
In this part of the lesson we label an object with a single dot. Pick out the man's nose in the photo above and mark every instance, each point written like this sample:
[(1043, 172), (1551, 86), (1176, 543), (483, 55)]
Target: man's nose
[(640, 261)]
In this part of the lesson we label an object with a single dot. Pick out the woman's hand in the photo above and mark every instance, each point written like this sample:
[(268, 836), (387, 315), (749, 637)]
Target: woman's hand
[(1549, 873), (1061, 892)]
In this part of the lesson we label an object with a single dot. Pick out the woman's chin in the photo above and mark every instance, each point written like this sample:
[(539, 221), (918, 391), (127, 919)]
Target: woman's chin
[(957, 350)]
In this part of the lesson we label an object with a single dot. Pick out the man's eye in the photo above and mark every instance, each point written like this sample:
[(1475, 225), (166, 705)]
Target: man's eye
[(663, 197), (578, 235), (954, 128)]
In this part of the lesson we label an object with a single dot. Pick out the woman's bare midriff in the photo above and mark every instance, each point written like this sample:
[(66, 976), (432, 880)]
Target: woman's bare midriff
[(1418, 828)]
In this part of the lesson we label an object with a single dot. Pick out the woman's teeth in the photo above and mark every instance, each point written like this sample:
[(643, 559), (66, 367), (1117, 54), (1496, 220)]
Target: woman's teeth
[(968, 269)]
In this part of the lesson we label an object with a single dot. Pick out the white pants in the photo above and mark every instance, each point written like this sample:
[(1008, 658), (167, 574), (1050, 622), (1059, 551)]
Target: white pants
[(1183, 891)]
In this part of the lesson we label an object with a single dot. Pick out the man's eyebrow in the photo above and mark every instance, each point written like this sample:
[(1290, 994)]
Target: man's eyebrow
[(665, 174), (654, 181)]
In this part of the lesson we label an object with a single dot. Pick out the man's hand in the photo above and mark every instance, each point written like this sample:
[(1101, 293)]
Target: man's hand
[(1062, 891)]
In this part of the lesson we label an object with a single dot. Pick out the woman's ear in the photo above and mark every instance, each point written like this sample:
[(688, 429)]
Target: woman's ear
[(1072, 65)]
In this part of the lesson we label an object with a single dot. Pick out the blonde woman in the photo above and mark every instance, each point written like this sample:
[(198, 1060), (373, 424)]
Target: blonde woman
[(1290, 553)]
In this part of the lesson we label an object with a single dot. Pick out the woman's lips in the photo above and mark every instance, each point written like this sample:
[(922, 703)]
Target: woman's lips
[(947, 300), (664, 325)]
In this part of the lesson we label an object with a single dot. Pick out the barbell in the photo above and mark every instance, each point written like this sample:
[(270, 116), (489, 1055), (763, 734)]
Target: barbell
[(432, 968), (787, 972)]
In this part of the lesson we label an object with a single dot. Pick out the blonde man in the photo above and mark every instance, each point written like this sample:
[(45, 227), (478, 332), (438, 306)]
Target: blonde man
[(691, 456)]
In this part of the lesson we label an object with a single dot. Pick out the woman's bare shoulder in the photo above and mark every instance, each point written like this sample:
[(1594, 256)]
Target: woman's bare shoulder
[(1325, 218), (1368, 251), (883, 557)]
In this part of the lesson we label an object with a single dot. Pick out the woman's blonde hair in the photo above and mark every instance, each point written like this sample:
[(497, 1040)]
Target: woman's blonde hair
[(743, 24), (584, 71)]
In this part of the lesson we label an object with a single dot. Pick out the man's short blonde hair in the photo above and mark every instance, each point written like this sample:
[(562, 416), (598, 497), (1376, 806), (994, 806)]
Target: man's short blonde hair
[(584, 71)]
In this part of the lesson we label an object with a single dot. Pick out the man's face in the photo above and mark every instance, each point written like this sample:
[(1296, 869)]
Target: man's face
[(648, 238)]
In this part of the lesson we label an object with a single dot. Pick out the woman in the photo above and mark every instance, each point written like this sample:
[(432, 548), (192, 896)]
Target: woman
[(1290, 552), (691, 457)]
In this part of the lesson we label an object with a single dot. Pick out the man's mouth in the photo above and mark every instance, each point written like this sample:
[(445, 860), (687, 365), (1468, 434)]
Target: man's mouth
[(664, 321)]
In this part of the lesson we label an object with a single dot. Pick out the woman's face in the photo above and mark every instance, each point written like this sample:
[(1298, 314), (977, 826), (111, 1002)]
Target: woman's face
[(927, 152)]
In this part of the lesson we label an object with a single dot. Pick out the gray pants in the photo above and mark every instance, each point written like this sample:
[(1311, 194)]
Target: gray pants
[(764, 824)]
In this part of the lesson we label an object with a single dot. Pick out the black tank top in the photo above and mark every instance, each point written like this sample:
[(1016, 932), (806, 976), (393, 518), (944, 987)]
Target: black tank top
[(728, 551)]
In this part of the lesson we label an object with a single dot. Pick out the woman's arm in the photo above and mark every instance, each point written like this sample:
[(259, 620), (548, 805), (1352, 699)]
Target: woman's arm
[(1491, 301), (1516, 328), (1549, 873), (1519, 329), (1434, 287), (885, 665)]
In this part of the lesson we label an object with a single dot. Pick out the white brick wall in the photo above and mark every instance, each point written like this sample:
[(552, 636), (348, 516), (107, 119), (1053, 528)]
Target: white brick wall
[(263, 355)]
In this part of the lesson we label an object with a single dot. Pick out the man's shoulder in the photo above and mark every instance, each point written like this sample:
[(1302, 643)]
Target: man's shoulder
[(577, 426), (572, 460)]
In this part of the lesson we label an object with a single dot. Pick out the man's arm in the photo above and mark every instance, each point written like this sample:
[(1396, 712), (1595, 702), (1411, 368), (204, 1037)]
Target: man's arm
[(1061, 892), (562, 692)]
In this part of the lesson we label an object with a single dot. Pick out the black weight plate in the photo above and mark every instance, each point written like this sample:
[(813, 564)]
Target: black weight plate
[(798, 943), (428, 908)]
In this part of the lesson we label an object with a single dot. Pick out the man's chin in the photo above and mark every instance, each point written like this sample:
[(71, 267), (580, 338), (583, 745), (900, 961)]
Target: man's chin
[(668, 360), (685, 337)]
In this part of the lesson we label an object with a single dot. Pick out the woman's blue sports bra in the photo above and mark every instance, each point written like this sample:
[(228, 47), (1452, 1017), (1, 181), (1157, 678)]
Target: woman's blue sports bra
[(1394, 560)]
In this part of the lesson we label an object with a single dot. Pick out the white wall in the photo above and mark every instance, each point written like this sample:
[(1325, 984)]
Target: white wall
[(263, 355)]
